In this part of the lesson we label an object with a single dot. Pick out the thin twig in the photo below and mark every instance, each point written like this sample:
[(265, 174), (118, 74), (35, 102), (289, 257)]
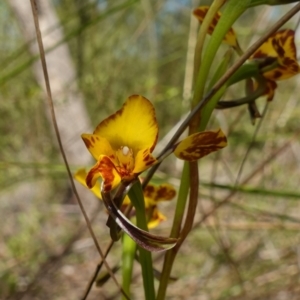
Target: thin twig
[(96, 272), (52, 111), (251, 145)]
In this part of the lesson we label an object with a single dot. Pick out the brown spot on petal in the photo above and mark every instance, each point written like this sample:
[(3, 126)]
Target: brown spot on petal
[(165, 193), (202, 144), (149, 191), (87, 142), (200, 13), (259, 54), (90, 176), (277, 74), (105, 169), (279, 49), (150, 162)]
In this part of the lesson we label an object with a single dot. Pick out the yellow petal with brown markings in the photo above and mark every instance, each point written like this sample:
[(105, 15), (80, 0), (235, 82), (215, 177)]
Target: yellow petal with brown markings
[(156, 218), (200, 144), (280, 46), (163, 192), (143, 160), (98, 145), (103, 168), (134, 125), (230, 37), (80, 176)]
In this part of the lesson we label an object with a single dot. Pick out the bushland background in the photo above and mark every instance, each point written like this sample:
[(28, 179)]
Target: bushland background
[(99, 53)]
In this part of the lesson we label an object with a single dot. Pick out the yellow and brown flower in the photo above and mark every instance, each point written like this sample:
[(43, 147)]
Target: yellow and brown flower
[(153, 194), (122, 144), (277, 58)]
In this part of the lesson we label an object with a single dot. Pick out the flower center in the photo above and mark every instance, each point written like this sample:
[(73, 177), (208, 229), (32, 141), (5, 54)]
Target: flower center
[(125, 160)]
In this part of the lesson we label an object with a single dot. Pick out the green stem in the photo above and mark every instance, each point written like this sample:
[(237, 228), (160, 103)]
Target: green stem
[(208, 109), (177, 221), (245, 100), (233, 9), (181, 202), (137, 198), (213, 9), (128, 253)]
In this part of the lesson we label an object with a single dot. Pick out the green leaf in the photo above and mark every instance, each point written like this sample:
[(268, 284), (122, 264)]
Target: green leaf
[(137, 198), (222, 68), (271, 2), (244, 72)]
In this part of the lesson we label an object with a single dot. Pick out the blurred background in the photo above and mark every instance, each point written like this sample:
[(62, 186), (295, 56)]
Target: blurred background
[(98, 54)]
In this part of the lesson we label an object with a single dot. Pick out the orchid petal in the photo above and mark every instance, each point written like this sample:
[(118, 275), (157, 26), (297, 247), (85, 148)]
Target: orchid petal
[(98, 145), (81, 175), (200, 144), (281, 45), (156, 218), (143, 160), (134, 125), (163, 192), (230, 37), (103, 168)]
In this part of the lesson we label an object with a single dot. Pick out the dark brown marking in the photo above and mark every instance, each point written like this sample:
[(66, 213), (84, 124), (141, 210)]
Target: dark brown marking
[(87, 142)]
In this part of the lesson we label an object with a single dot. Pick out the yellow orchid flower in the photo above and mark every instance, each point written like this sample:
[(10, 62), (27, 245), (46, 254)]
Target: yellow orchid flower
[(230, 37), (123, 143), (278, 59), (152, 195)]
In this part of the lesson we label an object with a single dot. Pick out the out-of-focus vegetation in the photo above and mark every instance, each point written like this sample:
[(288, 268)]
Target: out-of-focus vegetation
[(247, 249)]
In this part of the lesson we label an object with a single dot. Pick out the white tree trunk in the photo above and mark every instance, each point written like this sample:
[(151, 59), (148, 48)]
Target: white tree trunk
[(71, 114), (70, 110)]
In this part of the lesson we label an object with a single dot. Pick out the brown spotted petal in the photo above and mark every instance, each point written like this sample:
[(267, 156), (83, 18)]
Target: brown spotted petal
[(163, 192), (156, 218), (143, 160), (98, 145), (230, 37), (270, 89), (134, 125), (103, 168), (281, 46), (200, 144)]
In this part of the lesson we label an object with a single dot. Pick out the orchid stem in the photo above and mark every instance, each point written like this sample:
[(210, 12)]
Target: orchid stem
[(128, 253), (136, 192)]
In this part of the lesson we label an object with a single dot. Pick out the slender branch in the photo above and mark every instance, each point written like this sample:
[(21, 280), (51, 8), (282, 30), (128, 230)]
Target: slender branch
[(56, 129), (96, 272)]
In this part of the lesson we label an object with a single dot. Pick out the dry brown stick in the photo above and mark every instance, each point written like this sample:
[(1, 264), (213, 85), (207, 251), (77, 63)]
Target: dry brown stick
[(96, 272), (52, 111)]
